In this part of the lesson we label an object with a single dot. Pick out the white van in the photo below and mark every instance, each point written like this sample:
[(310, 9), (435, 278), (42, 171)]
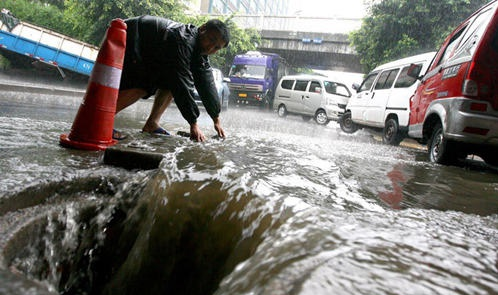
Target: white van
[(382, 101), (311, 96)]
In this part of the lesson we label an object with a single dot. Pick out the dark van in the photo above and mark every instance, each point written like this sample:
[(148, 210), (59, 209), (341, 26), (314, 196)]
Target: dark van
[(455, 108)]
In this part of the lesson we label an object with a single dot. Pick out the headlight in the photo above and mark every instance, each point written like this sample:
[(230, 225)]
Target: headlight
[(331, 101)]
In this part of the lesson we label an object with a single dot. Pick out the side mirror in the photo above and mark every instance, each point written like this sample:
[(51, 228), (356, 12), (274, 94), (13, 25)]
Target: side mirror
[(414, 71), (356, 86), (318, 90)]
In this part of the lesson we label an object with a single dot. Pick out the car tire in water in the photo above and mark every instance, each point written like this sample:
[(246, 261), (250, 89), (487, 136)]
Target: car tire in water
[(306, 118), (346, 123), (321, 117), (391, 134), (282, 111), (440, 149)]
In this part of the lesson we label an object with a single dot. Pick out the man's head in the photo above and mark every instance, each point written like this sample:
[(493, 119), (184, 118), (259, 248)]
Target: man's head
[(213, 36)]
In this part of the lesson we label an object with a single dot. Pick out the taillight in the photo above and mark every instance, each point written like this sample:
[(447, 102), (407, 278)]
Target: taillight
[(478, 82), (470, 88)]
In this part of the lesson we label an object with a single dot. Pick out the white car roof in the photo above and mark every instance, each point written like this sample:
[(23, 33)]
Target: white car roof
[(310, 77), (424, 57)]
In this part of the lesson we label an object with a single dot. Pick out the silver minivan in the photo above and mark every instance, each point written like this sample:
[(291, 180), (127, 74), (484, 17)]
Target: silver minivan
[(311, 96)]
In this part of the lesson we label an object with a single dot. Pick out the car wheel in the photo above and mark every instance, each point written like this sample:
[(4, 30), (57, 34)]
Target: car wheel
[(391, 134), (282, 111), (346, 123), (440, 149), (321, 117)]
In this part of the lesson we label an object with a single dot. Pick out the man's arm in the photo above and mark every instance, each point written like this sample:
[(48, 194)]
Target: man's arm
[(191, 68), (183, 94), (184, 98), (206, 87)]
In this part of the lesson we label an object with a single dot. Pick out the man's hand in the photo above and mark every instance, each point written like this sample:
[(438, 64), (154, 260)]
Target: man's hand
[(217, 127), (196, 133)]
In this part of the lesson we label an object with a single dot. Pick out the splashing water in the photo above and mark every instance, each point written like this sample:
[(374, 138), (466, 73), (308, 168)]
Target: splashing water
[(279, 207)]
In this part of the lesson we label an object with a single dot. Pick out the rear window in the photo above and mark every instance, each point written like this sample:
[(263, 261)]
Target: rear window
[(301, 85), (386, 79), (471, 37), (287, 84), (404, 80), (448, 51)]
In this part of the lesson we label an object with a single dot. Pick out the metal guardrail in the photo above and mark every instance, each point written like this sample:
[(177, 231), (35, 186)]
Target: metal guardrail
[(331, 25)]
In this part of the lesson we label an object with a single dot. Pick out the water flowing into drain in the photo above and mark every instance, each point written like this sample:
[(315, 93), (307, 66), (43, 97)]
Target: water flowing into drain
[(153, 237)]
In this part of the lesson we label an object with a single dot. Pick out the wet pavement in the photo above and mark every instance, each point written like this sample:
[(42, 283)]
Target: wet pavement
[(281, 206)]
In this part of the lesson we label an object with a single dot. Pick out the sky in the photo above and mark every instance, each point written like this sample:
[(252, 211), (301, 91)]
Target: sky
[(328, 8)]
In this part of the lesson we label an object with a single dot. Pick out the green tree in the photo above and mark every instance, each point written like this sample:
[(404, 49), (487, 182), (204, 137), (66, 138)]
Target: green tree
[(242, 40), (398, 28), (40, 13), (43, 14), (91, 17)]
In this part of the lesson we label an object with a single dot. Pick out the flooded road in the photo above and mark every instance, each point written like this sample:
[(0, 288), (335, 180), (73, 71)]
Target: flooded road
[(281, 206)]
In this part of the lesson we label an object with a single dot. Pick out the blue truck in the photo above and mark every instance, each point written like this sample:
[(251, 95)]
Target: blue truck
[(253, 78), (46, 46)]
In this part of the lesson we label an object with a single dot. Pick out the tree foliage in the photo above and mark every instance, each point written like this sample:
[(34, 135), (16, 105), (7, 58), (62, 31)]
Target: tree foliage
[(398, 28), (43, 14), (242, 40), (87, 20), (92, 17)]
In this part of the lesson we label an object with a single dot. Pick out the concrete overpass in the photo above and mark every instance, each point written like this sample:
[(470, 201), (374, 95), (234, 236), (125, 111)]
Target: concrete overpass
[(319, 43)]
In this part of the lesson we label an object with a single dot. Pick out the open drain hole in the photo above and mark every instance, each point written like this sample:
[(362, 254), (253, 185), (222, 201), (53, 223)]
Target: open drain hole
[(101, 247)]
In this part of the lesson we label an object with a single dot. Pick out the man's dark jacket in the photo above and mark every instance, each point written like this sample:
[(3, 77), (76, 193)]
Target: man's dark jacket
[(163, 54)]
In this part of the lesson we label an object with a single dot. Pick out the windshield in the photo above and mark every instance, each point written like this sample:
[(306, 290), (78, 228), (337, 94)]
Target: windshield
[(367, 83), (335, 88), (248, 71)]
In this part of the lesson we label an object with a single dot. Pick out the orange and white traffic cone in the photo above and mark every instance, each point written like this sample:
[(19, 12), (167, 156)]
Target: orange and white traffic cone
[(93, 125)]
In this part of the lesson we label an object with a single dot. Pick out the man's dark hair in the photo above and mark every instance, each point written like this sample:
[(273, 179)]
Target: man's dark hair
[(218, 25)]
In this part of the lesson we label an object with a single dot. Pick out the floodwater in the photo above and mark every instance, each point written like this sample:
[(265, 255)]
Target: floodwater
[(281, 206)]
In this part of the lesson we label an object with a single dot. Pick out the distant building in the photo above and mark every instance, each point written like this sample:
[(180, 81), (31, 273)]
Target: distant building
[(245, 7)]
